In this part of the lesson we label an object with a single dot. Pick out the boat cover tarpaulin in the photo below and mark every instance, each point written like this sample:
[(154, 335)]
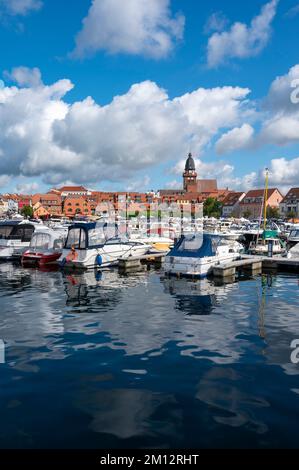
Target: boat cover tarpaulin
[(195, 246)]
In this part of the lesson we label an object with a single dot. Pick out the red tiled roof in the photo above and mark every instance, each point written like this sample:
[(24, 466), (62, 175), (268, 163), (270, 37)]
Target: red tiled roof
[(232, 199), (292, 194), (72, 188)]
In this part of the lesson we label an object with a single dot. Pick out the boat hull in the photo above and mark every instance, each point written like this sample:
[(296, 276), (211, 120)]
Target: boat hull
[(106, 256), (196, 267), (40, 259)]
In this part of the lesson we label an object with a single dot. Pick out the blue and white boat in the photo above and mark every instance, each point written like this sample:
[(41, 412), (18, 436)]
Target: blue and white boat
[(97, 245), (195, 255)]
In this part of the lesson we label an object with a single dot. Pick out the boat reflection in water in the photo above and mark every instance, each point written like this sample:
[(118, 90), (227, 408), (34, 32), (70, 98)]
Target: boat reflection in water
[(198, 297)]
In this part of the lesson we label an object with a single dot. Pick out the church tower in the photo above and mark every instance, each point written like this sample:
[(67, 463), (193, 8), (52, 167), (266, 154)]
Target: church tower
[(190, 175)]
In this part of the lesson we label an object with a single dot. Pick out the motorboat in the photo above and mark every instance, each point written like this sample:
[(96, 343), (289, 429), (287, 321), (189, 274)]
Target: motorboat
[(45, 248), (15, 237), (90, 245), (293, 237), (269, 244), (195, 255), (293, 253)]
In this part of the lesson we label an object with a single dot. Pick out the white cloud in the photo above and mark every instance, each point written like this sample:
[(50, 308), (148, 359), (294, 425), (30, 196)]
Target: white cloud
[(216, 22), (27, 188), (25, 76), (281, 121), (139, 185), (242, 41), (137, 27), (20, 7), (236, 139), (42, 135)]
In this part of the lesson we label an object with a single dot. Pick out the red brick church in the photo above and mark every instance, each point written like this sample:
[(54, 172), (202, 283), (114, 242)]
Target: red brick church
[(194, 189)]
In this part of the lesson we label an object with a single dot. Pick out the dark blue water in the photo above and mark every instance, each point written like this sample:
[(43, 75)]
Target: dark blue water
[(138, 361)]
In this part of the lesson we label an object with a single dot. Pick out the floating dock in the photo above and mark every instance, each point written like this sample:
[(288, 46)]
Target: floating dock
[(134, 263), (253, 265)]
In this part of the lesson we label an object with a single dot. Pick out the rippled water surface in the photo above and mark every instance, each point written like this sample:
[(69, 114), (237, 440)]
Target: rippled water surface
[(103, 360)]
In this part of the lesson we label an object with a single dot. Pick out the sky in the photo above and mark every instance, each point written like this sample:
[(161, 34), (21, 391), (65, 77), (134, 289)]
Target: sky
[(113, 94)]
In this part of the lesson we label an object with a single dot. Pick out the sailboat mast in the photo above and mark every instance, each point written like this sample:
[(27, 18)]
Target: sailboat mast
[(266, 198)]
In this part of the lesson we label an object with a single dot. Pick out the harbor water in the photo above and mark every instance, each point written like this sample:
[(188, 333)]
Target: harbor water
[(100, 360)]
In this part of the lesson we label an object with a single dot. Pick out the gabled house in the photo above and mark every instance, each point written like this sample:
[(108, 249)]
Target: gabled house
[(289, 206), (251, 205)]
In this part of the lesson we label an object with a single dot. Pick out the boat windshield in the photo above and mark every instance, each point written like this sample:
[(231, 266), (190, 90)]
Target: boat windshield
[(190, 243), (41, 241), (5, 231), (294, 234), (76, 238), (22, 232)]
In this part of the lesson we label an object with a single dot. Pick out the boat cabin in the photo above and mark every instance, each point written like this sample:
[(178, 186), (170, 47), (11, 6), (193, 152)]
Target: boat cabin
[(47, 240), (16, 231), (197, 246), (84, 236)]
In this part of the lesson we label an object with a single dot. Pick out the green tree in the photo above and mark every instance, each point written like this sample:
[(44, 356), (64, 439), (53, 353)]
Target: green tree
[(273, 212), (247, 214), (212, 208), (292, 215), (27, 211)]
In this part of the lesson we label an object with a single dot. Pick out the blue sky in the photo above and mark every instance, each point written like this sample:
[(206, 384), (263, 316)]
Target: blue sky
[(139, 150)]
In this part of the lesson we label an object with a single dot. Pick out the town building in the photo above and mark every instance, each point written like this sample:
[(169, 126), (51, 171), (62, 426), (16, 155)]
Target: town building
[(251, 205), (194, 190), (289, 206), (231, 203), (52, 203), (73, 191), (74, 206)]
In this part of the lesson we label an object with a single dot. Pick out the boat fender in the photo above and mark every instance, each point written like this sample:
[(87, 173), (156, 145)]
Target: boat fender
[(99, 260)]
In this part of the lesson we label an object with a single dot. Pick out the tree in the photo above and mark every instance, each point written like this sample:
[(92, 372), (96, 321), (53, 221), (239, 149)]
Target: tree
[(292, 215), (247, 214), (212, 208), (273, 212), (27, 211)]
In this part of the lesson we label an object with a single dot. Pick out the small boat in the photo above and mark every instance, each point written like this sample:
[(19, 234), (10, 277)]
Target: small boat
[(293, 237), (268, 244), (293, 253), (45, 248), (97, 245), (196, 255), (15, 237)]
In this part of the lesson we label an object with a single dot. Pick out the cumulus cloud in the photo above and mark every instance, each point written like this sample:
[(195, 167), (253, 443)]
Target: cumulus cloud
[(27, 188), (236, 139), (19, 7), (137, 27), (242, 41), (24, 76), (281, 124), (42, 135), (216, 22)]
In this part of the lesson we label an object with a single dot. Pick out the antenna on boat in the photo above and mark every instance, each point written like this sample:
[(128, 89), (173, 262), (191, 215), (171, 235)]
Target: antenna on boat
[(266, 197)]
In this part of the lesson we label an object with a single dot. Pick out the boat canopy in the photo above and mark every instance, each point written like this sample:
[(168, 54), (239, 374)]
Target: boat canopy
[(90, 235), (196, 246), (16, 231), (47, 240)]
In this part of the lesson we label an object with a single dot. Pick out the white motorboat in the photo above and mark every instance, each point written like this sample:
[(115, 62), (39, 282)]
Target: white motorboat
[(196, 255), (15, 238), (293, 253), (293, 238), (91, 245)]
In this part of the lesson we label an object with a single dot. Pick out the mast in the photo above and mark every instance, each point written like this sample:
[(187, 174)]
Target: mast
[(266, 198)]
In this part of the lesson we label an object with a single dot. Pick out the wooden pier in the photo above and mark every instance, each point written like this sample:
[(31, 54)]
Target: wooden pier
[(250, 266), (135, 263)]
